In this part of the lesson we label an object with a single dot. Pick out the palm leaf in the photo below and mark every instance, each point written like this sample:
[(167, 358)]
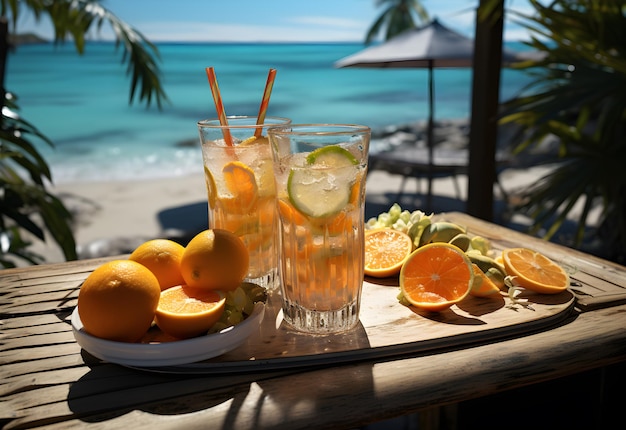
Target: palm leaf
[(397, 17), (76, 18), (578, 97)]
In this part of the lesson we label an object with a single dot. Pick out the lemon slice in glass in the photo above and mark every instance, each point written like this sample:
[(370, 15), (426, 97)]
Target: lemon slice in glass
[(322, 187)]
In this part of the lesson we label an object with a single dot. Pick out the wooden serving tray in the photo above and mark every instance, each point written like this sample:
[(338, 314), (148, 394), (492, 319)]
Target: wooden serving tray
[(386, 329)]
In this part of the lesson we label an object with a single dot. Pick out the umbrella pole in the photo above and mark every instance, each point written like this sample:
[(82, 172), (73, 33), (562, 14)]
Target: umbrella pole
[(431, 143)]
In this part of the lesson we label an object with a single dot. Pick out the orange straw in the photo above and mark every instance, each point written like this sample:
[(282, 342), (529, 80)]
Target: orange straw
[(219, 106), (265, 101)]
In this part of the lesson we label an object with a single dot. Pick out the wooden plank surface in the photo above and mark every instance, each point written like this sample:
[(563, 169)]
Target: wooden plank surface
[(387, 328)]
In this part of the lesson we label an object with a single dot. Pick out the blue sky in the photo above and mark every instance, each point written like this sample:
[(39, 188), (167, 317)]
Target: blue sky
[(271, 20)]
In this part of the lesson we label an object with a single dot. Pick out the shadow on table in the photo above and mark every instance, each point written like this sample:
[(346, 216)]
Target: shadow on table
[(109, 391)]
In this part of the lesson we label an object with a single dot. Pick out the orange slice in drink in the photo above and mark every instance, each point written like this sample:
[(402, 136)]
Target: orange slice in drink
[(289, 214), (185, 312), (386, 250), (534, 271), (210, 186), (436, 276), (241, 183)]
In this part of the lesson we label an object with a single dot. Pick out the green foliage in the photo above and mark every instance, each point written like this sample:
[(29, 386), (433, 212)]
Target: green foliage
[(577, 96), (25, 203), (398, 16), (24, 199)]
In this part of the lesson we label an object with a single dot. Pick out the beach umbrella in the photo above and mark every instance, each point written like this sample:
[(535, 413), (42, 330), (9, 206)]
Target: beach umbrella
[(431, 46)]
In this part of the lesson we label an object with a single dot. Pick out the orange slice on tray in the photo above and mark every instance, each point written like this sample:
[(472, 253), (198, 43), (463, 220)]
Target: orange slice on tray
[(534, 271), (386, 250), (185, 312), (436, 276)]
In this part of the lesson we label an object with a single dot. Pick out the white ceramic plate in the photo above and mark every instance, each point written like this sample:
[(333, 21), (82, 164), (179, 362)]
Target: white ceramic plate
[(168, 353)]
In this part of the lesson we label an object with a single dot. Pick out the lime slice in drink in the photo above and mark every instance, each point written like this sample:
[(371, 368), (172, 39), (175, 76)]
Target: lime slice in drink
[(332, 156), (322, 188)]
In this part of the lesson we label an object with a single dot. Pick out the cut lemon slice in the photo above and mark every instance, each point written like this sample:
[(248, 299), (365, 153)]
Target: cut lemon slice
[(247, 141), (323, 187), (483, 286), (254, 140)]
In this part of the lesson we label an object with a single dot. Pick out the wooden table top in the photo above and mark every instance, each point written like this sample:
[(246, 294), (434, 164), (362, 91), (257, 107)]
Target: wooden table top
[(47, 380)]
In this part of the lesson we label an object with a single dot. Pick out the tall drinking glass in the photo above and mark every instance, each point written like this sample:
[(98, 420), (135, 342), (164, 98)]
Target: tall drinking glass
[(241, 188), (320, 173)]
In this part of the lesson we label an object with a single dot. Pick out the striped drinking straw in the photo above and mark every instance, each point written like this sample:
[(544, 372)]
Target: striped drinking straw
[(265, 101), (219, 106)]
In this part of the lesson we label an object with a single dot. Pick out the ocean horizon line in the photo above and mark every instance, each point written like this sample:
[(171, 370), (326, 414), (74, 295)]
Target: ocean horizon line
[(40, 40)]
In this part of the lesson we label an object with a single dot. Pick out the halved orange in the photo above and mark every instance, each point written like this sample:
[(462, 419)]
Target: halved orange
[(436, 276), (185, 312), (386, 250), (534, 271), (483, 285)]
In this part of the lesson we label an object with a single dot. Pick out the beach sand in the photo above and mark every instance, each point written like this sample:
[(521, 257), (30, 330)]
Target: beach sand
[(112, 218)]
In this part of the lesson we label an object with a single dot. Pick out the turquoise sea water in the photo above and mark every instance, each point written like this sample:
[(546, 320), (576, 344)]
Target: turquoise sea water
[(81, 102)]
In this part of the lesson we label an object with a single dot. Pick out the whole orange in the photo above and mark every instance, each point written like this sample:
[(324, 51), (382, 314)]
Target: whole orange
[(118, 301), (162, 257), (215, 259)]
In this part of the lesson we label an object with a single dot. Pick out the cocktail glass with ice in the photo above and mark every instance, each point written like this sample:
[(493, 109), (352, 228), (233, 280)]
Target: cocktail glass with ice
[(320, 173), (241, 188)]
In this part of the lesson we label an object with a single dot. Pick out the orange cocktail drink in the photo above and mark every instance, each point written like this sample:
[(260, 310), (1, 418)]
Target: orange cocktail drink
[(320, 175), (241, 189)]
